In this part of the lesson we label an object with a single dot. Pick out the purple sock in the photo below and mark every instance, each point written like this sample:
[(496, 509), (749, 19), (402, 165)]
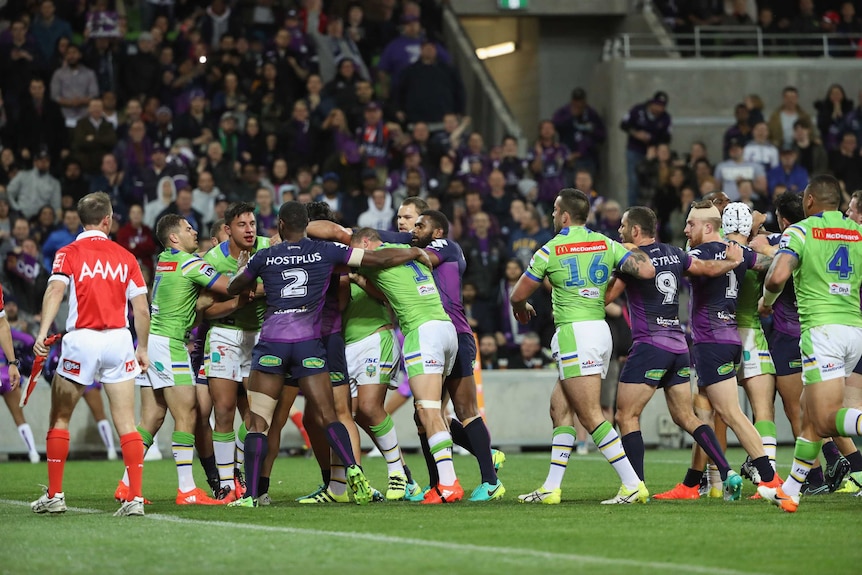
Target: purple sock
[(763, 466), (480, 438), (692, 477), (633, 444), (705, 437), (830, 452), (256, 446), (815, 476), (460, 435), (339, 441), (855, 460)]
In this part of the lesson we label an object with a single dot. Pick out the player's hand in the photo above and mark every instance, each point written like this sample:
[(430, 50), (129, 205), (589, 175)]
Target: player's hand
[(757, 221), (525, 315), (763, 309), (205, 300), (759, 243), (14, 376), (39, 348), (242, 260), (733, 252), (143, 358), (422, 256)]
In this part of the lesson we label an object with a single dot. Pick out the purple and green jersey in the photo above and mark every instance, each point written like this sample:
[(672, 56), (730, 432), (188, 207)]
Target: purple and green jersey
[(296, 277), (713, 316), (785, 316), (331, 308), (654, 303), (447, 275)]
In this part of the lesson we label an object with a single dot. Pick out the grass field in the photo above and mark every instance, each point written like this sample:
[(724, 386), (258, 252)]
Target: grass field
[(579, 536)]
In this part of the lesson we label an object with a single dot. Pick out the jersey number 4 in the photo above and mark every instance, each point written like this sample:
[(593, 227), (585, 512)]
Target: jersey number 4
[(295, 281), (840, 263), (598, 272)]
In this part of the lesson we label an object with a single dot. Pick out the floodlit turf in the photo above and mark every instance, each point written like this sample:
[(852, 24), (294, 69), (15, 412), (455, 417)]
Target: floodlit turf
[(578, 536)]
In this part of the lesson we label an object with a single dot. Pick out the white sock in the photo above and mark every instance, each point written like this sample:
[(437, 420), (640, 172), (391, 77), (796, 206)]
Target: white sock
[(611, 446), (27, 436), (441, 448), (224, 448), (713, 476), (107, 435), (338, 479), (561, 449), (387, 441), (183, 454)]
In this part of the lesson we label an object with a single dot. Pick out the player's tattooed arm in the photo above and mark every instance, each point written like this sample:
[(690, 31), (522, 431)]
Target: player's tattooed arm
[(326, 230), (391, 257), (762, 263), (638, 265)]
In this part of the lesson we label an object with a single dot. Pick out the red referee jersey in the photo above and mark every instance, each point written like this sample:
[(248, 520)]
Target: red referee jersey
[(102, 277)]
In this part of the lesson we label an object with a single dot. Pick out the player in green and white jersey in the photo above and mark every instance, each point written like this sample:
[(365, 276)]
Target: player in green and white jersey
[(169, 383), (230, 342), (757, 373), (430, 346), (578, 264), (823, 253)]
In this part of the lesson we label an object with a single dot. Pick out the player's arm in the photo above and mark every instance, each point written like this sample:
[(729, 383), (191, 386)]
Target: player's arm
[(525, 287), (761, 245), (343, 291), (368, 287), (326, 230), (716, 268), (638, 264), (389, 257), (616, 287), (222, 309), (763, 262), (50, 306), (141, 313), (8, 348), (779, 272), (243, 281)]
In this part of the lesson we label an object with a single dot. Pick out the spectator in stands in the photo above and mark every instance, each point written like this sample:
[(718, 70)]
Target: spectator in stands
[(526, 241), (219, 19), (754, 103), (27, 276), (647, 124), (654, 173), (511, 166), (73, 86), (789, 173), (530, 355), (32, 189), (341, 89), (752, 199), (8, 167), (673, 230), (849, 26), (113, 182), (727, 173), (265, 214), (547, 161), (193, 124), (73, 183), (7, 218), (135, 150), (182, 205), (291, 74), (332, 194), (335, 47), (379, 213), (142, 71), (167, 191), (43, 223), (807, 22), (92, 138), (581, 130), (667, 197), (741, 130), (498, 202), (20, 62), (428, 89), (204, 196), (760, 150), (609, 221), (489, 353), (374, 141), (845, 163), (61, 236), (831, 113), (480, 314), (40, 124), (401, 52), (812, 155), (139, 239), (102, 56), (782, 119), (485, 254)]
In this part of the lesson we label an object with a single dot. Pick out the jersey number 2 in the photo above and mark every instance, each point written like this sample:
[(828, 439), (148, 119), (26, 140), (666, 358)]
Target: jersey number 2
[(840, 263), (295, 283)]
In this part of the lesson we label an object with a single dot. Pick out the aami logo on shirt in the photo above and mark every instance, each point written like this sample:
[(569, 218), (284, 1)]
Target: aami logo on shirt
[(166, 267), (836, 235), (580, 248), (130, 366), (121, 271)]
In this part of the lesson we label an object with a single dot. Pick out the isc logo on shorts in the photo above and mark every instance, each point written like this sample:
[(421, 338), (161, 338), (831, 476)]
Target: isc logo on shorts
[(130, 366), (71, 367)]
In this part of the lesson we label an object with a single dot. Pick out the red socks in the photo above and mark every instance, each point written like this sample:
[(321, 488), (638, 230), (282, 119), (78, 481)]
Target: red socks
[(133, 457), (58, 451), (296, 418)]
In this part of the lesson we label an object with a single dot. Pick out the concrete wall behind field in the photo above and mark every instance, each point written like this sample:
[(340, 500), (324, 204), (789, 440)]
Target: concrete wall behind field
[(703, 94)]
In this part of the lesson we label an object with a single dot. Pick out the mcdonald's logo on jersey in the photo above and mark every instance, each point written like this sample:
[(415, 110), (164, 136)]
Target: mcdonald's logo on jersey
[(580, 248), (836, 235)]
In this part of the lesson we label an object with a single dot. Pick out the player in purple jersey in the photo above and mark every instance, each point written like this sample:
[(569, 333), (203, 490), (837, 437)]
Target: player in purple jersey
[(717, 348), (296, 274), (430, 233), (659, 353)]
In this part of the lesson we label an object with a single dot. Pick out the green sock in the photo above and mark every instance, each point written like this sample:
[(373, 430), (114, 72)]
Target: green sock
[(147, 438)]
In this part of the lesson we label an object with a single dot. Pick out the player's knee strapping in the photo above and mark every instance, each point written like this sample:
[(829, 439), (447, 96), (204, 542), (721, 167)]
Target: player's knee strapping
[(428, 404), (262, 405)]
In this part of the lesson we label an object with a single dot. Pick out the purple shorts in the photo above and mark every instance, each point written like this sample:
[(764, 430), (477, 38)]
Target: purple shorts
[(715, 362), (785, 353), (298, 359), (655, 366), (465, 359), (336, 358)]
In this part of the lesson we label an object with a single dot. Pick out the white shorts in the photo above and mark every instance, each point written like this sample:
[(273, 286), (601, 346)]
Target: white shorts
[(230, 353), (170, 364), (829, 352), (582, 348), (431, 348), (756, 359), (373, 360), (106, 356)]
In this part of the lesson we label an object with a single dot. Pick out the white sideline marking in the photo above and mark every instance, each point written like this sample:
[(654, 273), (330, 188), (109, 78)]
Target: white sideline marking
[(466, 548), (448, 546), (27, 504)]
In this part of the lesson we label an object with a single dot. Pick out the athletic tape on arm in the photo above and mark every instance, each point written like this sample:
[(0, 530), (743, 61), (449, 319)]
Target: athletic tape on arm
[(356, 257)]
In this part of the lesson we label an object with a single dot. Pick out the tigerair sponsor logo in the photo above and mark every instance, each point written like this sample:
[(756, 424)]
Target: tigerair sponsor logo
[(655, 374), (269, 361), (580, 248), (166, 267), (836, 235), (839, 289), (313, 363)]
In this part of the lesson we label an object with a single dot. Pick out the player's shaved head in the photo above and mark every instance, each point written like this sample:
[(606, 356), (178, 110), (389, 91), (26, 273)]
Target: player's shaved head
[(319, 211), (436, 220), (94, 208), (789, 207), (167, 225), (369, 234), (293, 216), (642, 217), (718, 199), (825, 190), (575, 203), (236, 210)]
